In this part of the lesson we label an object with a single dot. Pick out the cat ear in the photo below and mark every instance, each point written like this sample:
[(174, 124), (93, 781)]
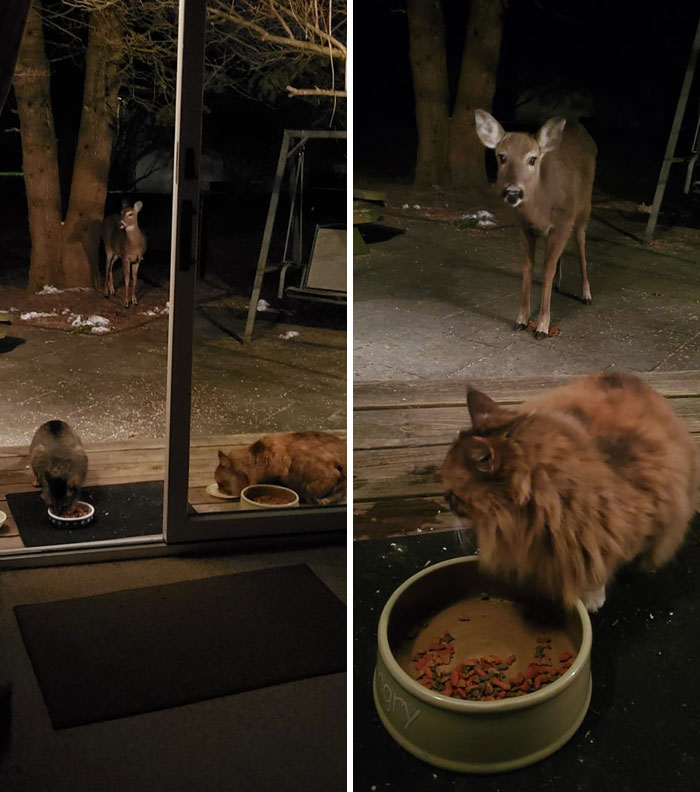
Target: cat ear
[(480, 454), (224, 460), (480, 407)]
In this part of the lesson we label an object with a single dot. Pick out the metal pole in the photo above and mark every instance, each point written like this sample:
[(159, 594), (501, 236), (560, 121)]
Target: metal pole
[(673, 138), (183, 258), (267, 237)]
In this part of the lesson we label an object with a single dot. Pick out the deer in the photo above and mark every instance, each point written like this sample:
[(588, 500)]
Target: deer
[(547, 179), (123, 239)]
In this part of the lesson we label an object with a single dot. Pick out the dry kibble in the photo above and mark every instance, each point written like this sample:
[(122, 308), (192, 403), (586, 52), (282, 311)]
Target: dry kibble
[(484, 678)]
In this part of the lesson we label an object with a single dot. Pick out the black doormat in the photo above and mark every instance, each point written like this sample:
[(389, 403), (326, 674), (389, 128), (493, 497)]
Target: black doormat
[(140, 650), (644, 664), (121, 510)]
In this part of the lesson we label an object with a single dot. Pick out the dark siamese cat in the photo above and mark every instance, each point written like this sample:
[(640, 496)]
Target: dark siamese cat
[(574, 483), (59, 463), (310, 463)]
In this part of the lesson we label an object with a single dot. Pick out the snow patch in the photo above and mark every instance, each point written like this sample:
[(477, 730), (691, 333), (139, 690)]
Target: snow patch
[(289, 334), (36, 315), (157, 311), (91, 321), (481, 214), (263, 305), (49, 290)]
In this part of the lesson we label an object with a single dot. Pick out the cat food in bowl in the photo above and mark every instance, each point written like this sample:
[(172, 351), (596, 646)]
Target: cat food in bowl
[(268, 496), (79, 515), (473, 675)]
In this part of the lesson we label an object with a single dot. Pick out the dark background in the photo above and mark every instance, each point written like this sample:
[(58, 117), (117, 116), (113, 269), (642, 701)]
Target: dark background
[(628, 58), (241, 132)]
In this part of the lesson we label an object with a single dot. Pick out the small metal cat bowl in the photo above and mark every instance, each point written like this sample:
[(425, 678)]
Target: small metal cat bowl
[(74, 522), (474, 736), (268, 496)]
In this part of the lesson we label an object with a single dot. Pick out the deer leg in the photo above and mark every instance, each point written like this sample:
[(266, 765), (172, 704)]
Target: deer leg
[(529, 243), (109, 264), (127, 279), (557, 276), (555, 247), (134, 279), (581, 244)]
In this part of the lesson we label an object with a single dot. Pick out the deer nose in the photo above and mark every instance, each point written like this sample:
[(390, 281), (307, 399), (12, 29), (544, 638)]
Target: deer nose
[(513, 195)]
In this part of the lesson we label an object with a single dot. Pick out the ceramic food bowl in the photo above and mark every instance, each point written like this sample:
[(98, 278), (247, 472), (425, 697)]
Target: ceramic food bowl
[(268, 496), (213, 490), (74, 522), (464, 735)]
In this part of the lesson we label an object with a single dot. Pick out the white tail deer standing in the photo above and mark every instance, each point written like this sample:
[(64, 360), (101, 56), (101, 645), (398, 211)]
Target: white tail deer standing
[(124, 240), (548, 180)]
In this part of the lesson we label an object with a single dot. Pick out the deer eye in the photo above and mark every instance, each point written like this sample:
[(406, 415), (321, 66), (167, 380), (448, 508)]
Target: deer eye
[(531, 161), (501, 158)]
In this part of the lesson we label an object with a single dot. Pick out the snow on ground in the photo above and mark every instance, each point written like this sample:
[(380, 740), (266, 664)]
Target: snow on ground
[(28, 315)]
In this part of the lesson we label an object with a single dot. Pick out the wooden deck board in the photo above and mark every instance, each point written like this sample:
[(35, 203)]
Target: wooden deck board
[(402, 431), (452, 392), (124, 462)]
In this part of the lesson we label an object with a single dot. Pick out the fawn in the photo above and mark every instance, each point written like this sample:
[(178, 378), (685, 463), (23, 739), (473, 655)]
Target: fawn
[(547, 180), (124, 240)]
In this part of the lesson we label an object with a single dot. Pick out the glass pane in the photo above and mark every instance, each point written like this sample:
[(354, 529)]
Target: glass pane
[(273, 236), (85, 170)]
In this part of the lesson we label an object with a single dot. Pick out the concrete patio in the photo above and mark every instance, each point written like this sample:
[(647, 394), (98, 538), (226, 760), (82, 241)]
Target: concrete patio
[(439, 302)]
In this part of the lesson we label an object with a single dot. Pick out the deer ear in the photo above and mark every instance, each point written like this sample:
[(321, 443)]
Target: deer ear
[(138, 206), (479, 453), (549, 135), (488, 129)]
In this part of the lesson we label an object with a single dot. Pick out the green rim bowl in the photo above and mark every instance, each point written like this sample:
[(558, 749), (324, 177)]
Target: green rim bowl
[(474, 736)]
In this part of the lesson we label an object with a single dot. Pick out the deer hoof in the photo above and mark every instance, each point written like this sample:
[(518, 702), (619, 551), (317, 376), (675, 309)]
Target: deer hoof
[(539, 335), (519, 326), (586, 301)]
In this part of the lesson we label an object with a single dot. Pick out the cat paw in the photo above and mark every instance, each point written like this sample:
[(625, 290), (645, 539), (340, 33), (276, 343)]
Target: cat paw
[(594, 600)]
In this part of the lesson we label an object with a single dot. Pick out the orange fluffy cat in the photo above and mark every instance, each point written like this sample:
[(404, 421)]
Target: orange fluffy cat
[(572, 484), (311, 463)]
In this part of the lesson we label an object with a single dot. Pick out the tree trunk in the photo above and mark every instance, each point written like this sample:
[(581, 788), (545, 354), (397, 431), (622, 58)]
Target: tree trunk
[(477, 85), (94, 149), (429, 67), (39, 155)]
